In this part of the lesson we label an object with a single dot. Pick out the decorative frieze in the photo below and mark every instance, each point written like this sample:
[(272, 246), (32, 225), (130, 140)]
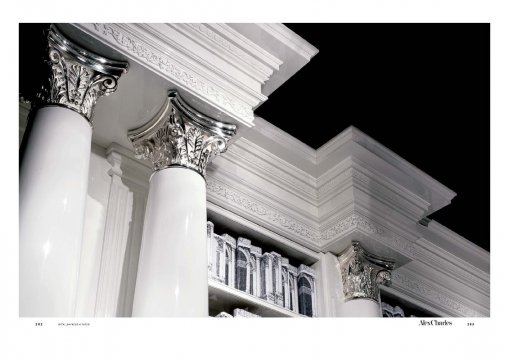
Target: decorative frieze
[(171, 67), (179, 136), (362, 273), (78, 77), (258, 209)]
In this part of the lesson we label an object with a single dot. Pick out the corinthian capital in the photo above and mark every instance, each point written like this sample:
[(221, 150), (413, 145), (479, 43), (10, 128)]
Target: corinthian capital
[(78, 77), (362, 273), (179, 136)]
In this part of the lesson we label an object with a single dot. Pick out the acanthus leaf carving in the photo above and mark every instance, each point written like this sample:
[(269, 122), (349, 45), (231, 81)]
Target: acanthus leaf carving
[(179, 136), (75, 81), (362, 273)]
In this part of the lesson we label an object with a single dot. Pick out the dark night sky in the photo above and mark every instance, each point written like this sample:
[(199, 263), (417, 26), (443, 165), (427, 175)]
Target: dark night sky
[(422, 90)]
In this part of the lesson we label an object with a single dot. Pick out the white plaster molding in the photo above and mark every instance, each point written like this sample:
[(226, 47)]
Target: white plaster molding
[(140, 45), (221, 37), (219, 192), (453, 267), (281, 140), (456, 244), (338, 227), (261, 161), (415, 286), (118, 218), (468, 292), (292, 40)]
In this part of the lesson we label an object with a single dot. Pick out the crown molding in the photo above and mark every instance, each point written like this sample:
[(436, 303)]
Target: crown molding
[(183, 60), (454, 267), (463, 289), (228, 67), (452, 243), (436, 296), (291, 39)]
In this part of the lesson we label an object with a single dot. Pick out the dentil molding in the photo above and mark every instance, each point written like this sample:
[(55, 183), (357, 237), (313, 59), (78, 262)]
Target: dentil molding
[(179, 136)]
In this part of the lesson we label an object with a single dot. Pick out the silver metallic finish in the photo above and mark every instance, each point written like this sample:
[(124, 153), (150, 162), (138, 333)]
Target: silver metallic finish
[(180, 136), (362, 273), (78, 77)]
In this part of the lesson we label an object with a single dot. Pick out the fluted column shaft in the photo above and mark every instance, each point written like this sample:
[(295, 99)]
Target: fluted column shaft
[(172, 269), (54, 178)]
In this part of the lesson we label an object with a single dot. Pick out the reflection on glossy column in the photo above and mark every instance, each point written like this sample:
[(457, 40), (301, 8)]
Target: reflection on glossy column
[(53, 189), (172, 269)]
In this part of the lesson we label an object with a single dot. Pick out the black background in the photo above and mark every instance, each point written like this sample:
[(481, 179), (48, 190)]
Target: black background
[(422, 90)]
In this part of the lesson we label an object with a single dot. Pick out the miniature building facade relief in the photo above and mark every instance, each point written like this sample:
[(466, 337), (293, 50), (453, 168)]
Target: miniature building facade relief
[(269, 275)]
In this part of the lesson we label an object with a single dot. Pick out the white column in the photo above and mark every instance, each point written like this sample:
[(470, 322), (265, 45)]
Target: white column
[(360, 308), (172, 269), (54, 178), (53, 190)]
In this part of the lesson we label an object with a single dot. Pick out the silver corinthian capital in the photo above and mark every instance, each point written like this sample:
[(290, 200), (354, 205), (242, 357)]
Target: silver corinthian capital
[(179, 136), (362, 273), (78, 76)]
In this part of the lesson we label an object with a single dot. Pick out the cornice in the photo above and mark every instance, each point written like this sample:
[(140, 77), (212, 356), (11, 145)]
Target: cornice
[(280, 141), (222, 40), (473, 296), (289, 38), (421, 289), (260, 161), (454, 243), (338, 227), (452, 266), (163, 56)]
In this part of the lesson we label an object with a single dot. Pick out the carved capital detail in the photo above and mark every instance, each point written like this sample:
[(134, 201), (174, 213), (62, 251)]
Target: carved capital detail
[(78, 77), (362, 273), (179, 136)]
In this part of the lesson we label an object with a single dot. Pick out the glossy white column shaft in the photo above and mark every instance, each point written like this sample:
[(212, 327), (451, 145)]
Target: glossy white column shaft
[(53, 190), (172, 270), (360, 308)]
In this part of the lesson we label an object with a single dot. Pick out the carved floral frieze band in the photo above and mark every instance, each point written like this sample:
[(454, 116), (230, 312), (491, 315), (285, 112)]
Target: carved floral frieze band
[(362, 273), (179, 136), (78, 77)]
